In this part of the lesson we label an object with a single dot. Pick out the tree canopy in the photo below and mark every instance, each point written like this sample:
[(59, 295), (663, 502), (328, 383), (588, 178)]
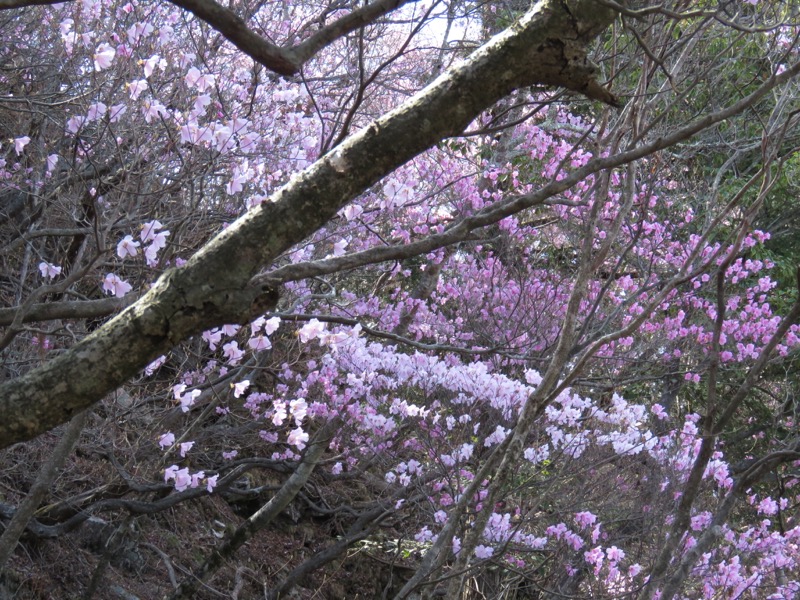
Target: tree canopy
[(500, 298)]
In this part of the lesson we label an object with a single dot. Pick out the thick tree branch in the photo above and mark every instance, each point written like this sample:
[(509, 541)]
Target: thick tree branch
[(233, 27), (79, 309), (282, 60), (547, 46), (494, 213), (9, 4), (344, 25)]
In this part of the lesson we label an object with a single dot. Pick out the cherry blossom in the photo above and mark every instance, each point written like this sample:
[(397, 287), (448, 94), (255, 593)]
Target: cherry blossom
[(116, 286), (49, 271), (166, 440), (311, 330), (20, 143), (298, 437), (103, 57), (240, 388), (127, 247), (182, 478)]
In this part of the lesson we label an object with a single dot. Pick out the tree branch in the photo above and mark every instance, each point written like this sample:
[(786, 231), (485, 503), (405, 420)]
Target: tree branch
[(282, 60), (9, 4), (80, 309), (547, 46), (40, 487), (233, 27)]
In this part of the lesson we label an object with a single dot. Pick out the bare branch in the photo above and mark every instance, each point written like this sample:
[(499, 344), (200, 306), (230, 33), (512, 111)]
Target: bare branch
[(344, 25), (78, 309), (282, 60), (233, 27), (9, 4)]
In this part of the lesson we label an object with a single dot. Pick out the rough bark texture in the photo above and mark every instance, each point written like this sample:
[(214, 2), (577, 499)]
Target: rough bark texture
[(547, 46)]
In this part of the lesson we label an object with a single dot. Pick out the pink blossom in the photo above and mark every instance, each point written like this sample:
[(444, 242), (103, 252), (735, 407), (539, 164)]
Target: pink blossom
[(202, 81), (298, 408), (151, 63), (596, 534), (212, 338), (615, 554), (311, 330), (259, 342), (150, 230), (151, 255), (268, 436), (659, 412), (700, 521), (279, 413), (75, 123), (116, 286), (116, 112), (196, 477), (271, 325), (211, 483), (496, 437), (137, 31), (230, 329), (585, 519), (595, 557), (424, 535), (352, 211), (103, 57), (48, 270), (166, 440), (240, 388), (20, 143), (298, 438), (339, 247), (185, 447), (187, 399), (153, 109), (456, 545), (155, 365), (135, 88), (483, 552), (232, 352), (127, 247), (96, 111), (181, 476), (768, 506), (398, 193)]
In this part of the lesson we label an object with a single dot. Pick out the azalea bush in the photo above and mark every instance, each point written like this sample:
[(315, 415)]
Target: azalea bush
[(516, 332)]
